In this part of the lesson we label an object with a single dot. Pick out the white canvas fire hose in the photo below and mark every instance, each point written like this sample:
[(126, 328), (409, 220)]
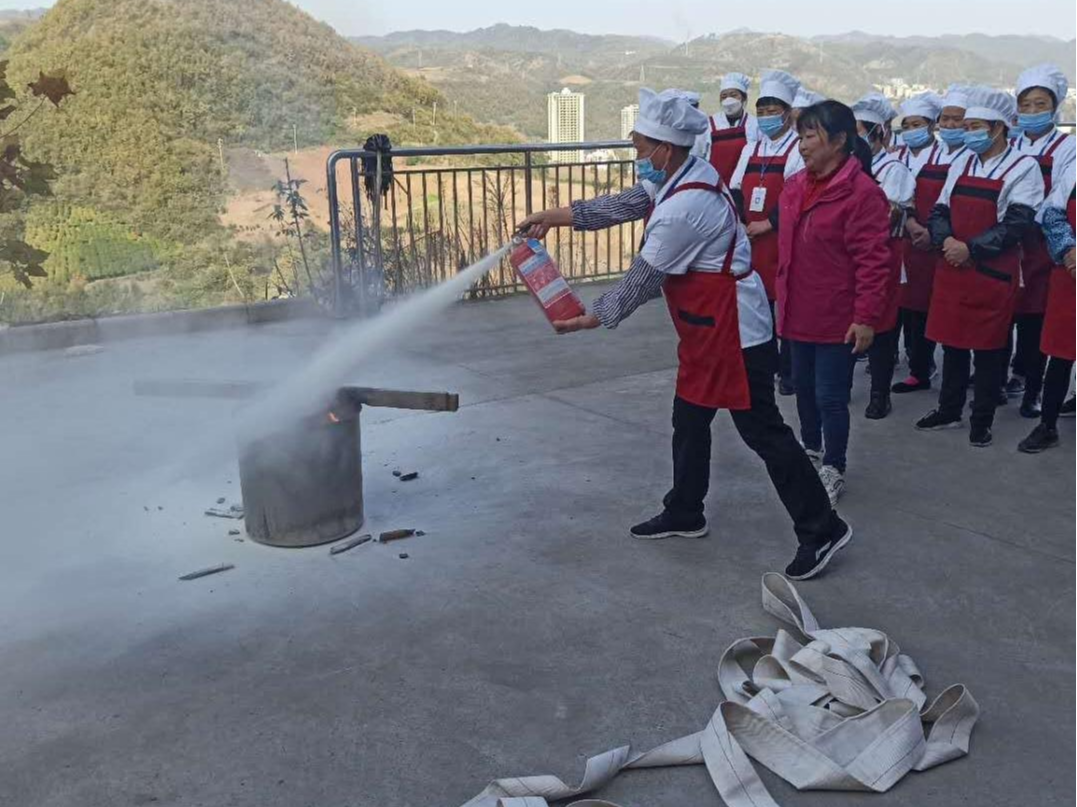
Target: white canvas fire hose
[(837, 709)]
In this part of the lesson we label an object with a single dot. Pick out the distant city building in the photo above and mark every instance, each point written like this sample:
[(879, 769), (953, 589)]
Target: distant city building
[(897, 89), (565, 123), (628, 120)]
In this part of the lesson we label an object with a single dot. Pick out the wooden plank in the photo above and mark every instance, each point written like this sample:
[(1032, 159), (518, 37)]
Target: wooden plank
[(399, 399)]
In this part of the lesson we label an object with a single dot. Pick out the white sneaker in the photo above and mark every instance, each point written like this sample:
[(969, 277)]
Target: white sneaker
[(833, 481)]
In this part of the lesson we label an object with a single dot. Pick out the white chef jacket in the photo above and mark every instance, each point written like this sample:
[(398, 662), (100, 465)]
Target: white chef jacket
[(1022, 185), (702, 147), (693, 230), (770, 148), (1063, 155), (914, 162), (894, 177)]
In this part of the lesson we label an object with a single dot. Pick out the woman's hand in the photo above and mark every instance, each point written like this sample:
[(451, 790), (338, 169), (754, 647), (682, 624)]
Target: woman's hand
[(956, 252), (581, 323), (538, 224), (860, 337), (919, 235), (758, 228)]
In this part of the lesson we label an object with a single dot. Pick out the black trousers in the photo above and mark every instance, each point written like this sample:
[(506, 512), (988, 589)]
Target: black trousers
[(762, 429), (921, 350), (882, 356), (1056, 383), (785, 351), (990, 373), (1028, 361)]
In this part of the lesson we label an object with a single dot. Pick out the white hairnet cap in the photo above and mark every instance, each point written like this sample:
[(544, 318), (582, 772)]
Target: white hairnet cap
[(873, 108), (925, 105), (778, 84), (668, 117), (1047, 76), (691, 96), (957, 95), (986, 103), (735, 81), (806, 98)]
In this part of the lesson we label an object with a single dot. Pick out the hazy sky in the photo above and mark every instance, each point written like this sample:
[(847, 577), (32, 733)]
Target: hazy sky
[(675, 19)]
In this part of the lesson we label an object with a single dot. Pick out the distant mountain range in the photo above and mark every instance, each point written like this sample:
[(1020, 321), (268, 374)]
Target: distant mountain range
[(501, 74)]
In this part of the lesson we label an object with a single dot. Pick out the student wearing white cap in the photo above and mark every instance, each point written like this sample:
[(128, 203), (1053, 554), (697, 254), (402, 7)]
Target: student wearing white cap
[(702, 146), (804, 99), (758, 180), (695, 252), (1040, 90), (921, 152), (951, 128), (873, 113), (732, 126), (985, 210)]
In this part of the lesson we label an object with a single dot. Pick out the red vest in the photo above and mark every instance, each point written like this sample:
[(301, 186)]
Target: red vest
[(1060, 320), (1036, 263), (920, 263), (726, 146), (767, 173)]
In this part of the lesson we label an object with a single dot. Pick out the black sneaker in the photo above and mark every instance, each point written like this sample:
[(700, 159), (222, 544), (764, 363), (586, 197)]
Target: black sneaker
[(1030, 409), (1067, 409), (666, 525), (1042, 438), (879, 407), (811, 560), (933, 421), (1015, 387), (980, 436), (786, 388), (910, 384)]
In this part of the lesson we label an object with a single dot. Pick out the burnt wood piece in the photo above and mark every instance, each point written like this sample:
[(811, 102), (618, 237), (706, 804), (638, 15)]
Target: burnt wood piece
[(400, 399)]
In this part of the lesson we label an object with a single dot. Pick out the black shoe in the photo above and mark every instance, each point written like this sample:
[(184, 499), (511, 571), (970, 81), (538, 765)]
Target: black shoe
[(980, 436), (1042, 438), (933, 421), (811, 560), (1067, 409), (1015, 387), (910, 384), (1030, 409), (879, 407), (1001, 398), (666, 525), (786, 388)]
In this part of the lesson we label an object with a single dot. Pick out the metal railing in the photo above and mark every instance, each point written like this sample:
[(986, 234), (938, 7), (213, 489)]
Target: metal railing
[(446, 208)]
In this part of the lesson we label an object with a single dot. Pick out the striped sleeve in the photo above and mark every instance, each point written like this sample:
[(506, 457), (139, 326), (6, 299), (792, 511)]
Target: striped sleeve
[(642, 282), (607, 211)]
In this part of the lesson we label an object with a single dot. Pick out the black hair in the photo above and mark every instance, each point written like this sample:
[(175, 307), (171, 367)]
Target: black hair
[(770, 100), (835, 118)]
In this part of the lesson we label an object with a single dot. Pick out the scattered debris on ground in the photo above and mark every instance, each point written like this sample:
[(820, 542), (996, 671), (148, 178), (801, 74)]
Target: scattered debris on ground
[(397, 473), (351, 543), (403, 555), (233, 532), (409, 476), (231, 512), (394, 535), (222, 567), (82, 350), (221, 500)]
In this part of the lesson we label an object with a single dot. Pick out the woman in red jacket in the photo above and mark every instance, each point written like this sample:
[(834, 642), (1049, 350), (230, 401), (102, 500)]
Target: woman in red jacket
[(833, 276)]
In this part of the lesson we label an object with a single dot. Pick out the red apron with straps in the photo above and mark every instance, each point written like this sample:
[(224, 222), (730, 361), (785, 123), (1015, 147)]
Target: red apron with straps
[(767, 173), (703, 306), (1036, 264), (920, 263), (1061, 317), (726, 146), (972, 306)]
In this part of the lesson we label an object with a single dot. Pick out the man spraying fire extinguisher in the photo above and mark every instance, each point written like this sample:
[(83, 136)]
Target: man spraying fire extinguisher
[(695, 252)]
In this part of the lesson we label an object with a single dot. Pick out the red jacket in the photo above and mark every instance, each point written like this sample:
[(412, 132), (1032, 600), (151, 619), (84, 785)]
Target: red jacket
[(833, 257)]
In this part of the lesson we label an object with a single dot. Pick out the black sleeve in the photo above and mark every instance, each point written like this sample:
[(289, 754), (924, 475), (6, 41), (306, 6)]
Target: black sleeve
[(738, 200), (938, 224), (1007, 233), (773, 217)]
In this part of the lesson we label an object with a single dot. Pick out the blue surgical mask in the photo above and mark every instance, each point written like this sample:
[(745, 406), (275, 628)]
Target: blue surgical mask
[(978, 140), (1016, 132), (916, 138), (1035, 122), (952, 137), (770, 125), (646, 172)]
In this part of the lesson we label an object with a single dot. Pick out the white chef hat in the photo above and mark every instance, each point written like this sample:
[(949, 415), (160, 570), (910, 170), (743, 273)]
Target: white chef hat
[(778, 84), (735, 81), (986, 103), (873, 108), (925, 105), (667, 116), (1047, 76), (691, 96), (805, 98), (957, 95)]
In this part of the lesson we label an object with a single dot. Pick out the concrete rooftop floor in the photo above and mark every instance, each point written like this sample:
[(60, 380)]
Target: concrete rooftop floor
[(526, 631)]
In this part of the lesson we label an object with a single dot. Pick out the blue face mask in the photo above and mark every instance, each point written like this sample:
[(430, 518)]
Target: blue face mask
[(978, 140), (646, 172), (952, 137), (1035, 122), (916, 138), (770, 125)]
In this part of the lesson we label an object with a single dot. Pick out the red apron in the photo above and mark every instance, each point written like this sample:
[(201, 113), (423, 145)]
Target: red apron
[(919, 263), (1036, 263), (972, 306), (1061, 318), (703, 306), (767, 173), (726, 146)]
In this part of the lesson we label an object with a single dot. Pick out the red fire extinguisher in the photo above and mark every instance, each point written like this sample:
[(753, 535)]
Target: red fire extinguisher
[(544, 280)]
